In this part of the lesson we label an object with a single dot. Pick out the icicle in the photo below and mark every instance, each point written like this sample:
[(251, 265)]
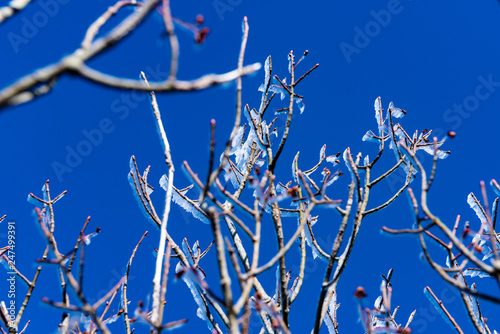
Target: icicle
[(85, 320), (277, 287), (299, 103), (440, 154), (332, 159), (396, 112), (438, 307), (369, 137), (88, 238), (278, 198), (471, 301), (267, 70), (322, 153), (237, 140), (294, 169), (275, 87), (132, 183), (495, 189), (202, 309), (329, 317), (348, 165), (122, 293), (378, 115), (112, 319), (476, 273), (329, 182), (474, 206), (34, 201), (316, 253), (184, 202)]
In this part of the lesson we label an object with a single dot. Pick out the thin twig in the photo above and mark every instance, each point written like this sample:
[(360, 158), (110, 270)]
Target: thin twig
[(94, 27), (168, 200), (125, 285), (448, 315), (174, 42)]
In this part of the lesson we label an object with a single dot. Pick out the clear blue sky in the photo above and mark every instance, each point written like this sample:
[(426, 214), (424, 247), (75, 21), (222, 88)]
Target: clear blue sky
[(437, 60)]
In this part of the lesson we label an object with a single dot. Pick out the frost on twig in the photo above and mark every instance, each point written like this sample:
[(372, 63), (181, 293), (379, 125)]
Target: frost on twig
[(45, 219), (244, 192), (380, 318), (180, 198), (471, 251), (193, 277)]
